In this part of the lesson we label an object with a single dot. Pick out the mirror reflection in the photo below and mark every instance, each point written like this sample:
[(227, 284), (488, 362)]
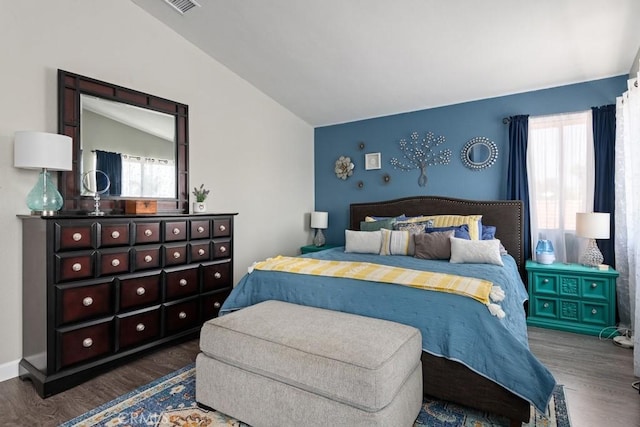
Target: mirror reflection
[(133, 146), (479, 153)]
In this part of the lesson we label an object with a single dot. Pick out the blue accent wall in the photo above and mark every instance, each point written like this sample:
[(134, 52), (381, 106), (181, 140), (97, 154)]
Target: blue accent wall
[(457, 123)]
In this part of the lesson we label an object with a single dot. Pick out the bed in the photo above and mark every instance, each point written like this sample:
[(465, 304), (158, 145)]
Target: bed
[(469, 356)]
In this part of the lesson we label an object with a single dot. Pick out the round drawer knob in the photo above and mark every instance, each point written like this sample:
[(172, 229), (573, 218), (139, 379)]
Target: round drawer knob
[(594, 311), (545, 305), (201, 229), (217, 275), (87, 342), (87, 301), (201, 252), (115, 262), (141, 291), (148, 232), (76, 267), (148, 258), (594, 285), (77, 237), (183, 282), (140, 327), (176, 255), (115, 234), (176, 231), (545, 281), (223, 249), (182, 315), (216, 304), (222, 228)]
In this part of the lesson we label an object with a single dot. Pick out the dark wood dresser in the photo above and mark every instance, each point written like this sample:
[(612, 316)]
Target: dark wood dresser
[(98, 290)]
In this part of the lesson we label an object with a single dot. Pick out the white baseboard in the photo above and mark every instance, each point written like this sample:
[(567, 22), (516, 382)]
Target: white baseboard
[(9, 370)]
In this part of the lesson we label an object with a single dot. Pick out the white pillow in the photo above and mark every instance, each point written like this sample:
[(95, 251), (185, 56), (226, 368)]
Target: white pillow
[(475, 251), (363, 242)]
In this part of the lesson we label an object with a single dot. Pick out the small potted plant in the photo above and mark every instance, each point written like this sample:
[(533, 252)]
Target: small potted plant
[(199, 206)]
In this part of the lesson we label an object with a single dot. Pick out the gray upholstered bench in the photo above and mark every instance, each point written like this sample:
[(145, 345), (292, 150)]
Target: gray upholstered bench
[(281, 364)]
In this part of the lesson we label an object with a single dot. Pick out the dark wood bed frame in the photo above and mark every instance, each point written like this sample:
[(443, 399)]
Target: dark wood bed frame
[(442, 378)]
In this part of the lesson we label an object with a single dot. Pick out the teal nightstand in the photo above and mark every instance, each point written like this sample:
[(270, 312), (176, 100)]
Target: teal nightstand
[(313, 248), (571, 297)]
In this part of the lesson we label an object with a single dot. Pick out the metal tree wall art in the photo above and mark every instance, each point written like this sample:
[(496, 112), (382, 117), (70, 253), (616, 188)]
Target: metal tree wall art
[(419, 153)]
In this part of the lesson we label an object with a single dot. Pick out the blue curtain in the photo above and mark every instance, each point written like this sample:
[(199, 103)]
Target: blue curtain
[(110, 164), (604, 138), (517, 185)]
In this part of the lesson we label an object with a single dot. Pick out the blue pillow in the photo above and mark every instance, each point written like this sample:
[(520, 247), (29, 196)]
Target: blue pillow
[(460, 231), (488, 232)]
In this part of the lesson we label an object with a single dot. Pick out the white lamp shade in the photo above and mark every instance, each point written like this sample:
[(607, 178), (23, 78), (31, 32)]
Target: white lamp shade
[(319, 220), (593, 225), (38, 150)]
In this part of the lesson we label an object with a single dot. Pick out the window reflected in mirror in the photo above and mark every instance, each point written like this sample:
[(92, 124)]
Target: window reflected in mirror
[(135, 147)]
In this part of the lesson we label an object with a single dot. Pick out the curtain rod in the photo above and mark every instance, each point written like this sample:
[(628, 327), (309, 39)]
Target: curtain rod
[(506, 120)]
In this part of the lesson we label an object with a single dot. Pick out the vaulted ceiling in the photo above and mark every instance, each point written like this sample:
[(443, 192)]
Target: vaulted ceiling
[(335, 61)]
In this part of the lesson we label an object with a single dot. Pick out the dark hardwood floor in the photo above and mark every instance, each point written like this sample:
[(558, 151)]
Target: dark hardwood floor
[(596, 374)]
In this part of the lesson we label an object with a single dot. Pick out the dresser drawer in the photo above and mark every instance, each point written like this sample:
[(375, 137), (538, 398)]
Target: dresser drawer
[(73, 237), (175, 231), (221, 249), (83, 302), (73, 267), (212, 302), (139, 291), (221, 227), (146, 258), (146, 232), (138, 328), (200, 229), (216, 276), (175, 254), (200, 252), (181, 316), (111, 263), (78, 345), (181, 283), (113, 234)]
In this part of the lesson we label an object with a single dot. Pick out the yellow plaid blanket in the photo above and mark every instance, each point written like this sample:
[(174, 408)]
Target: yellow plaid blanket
[(478, 289)]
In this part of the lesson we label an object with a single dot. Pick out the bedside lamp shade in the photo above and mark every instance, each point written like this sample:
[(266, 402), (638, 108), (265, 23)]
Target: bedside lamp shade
[(45, 151), (319, 221), (592, 225)]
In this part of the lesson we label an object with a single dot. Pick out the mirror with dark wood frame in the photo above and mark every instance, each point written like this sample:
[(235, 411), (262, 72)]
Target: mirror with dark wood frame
[(87, 108)]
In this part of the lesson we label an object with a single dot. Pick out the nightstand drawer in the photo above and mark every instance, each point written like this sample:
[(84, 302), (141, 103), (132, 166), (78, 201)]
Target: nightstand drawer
[(544, 308), (595, 288), (595, 314), (544, 284)]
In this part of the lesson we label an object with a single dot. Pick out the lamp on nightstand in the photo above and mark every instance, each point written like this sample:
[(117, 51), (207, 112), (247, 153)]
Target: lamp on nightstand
[(319, 221), (592, 225)]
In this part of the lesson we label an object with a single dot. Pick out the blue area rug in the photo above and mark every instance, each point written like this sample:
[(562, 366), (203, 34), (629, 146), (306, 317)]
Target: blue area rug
[(170, 401)]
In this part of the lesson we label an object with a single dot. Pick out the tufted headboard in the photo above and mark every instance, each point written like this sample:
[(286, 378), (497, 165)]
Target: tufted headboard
[(506, 215)]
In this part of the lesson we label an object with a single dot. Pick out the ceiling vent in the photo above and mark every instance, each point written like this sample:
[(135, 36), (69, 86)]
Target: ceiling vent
[(182, 6)]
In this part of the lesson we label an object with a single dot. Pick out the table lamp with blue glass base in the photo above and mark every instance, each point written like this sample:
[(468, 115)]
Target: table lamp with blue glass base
[(47, 152)]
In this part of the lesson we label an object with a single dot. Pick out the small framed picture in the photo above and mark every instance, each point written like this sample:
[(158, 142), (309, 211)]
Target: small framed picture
[(372, 161)]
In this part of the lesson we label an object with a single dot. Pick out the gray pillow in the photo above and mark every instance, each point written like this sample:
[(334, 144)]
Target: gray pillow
[(435, 245)]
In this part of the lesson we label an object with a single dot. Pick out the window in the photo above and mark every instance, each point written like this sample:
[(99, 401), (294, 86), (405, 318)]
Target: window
[(147, 177), (560, 170)]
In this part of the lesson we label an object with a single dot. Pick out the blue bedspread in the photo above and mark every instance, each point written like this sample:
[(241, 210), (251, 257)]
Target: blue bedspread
[(452, 326)]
